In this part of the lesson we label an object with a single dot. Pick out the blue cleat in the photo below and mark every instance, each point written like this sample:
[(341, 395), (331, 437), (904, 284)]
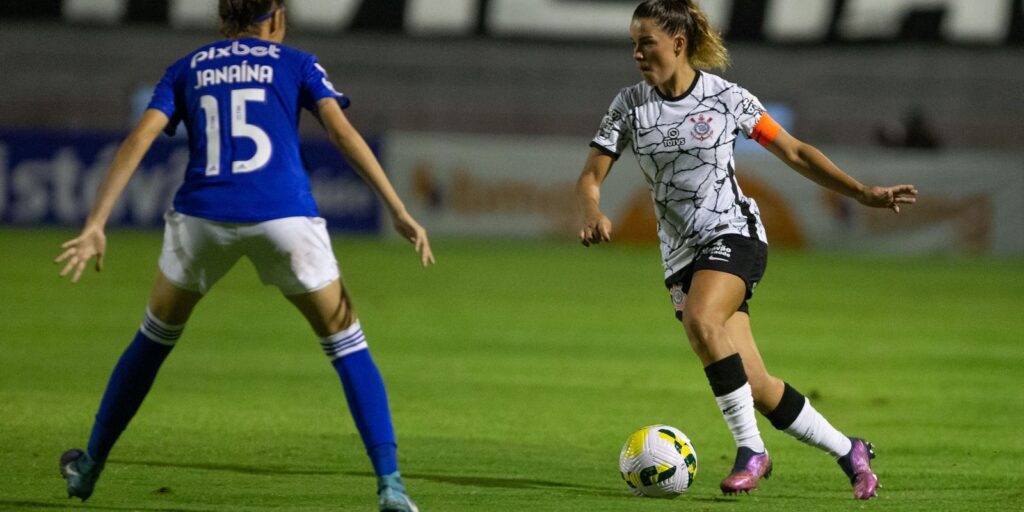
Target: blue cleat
[(81, 473), (392, 494)]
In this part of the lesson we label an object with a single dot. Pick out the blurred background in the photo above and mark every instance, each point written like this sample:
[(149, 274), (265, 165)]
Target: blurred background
[(481, 110)]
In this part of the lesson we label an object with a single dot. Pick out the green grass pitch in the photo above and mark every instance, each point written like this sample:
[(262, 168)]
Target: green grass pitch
[(516, 370)]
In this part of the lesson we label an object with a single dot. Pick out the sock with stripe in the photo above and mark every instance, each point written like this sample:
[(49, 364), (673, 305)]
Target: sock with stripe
[(366, 396), (795, 416), (130, 382), (732, 393)]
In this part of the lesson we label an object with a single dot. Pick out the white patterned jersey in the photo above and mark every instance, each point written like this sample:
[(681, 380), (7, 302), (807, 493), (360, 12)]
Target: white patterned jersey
[(685, 149)]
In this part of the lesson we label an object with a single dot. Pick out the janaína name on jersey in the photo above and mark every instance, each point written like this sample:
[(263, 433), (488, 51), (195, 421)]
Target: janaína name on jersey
[(237, 49), (235, 73)]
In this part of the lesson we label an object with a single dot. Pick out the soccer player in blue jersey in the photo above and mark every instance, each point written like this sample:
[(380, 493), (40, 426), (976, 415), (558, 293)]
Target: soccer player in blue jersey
[(245, 193)]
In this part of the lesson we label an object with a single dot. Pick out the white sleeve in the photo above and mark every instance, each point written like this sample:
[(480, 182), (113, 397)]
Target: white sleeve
[(748, 111), (616, 129)]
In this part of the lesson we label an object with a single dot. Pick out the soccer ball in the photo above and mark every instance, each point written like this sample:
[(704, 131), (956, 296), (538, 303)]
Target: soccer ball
[(658, 462)]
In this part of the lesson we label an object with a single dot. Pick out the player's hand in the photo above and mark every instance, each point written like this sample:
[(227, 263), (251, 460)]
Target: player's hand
[(92, 242), (415, 234), (596, 229), (888, 197)]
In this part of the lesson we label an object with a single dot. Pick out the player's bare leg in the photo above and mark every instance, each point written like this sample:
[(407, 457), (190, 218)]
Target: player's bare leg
[(332, 317), (712, 300), (170, 303), (168, 311), (767, 389), (792, 413), (328, 310)]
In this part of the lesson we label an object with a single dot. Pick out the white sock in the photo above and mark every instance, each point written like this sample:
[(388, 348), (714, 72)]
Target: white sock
[(159, 331), (738, 410), (812, 428), (343, 343)]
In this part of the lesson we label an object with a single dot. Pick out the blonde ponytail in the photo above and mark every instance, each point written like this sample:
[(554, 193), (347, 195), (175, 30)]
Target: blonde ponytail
[(707, 50), (704, 46)]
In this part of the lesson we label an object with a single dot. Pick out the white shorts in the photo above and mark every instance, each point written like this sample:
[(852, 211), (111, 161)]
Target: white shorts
[(292, 253)]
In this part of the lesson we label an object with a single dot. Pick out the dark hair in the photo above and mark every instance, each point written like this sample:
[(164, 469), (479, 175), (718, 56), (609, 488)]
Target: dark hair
[(704, 46), (237, 16)]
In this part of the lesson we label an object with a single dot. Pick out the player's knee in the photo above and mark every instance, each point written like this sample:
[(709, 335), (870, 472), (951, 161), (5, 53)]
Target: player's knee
[(170, 312), (345, 337), (700, 326), (170, 303), (342, 318)]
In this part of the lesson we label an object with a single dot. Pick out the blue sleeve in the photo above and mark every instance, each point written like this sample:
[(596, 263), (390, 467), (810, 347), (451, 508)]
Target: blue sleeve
[(164, 99), (317, 86)]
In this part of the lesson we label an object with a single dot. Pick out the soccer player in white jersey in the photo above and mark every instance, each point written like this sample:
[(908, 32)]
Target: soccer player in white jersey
[(245, 193), (682, 123)]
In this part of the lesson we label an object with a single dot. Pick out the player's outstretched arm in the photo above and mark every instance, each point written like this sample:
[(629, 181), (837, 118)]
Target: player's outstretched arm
[(92, 242), (811, 163), (351, 144), (594, 226)]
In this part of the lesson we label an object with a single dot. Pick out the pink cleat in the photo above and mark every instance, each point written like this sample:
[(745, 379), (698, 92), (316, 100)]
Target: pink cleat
[(857, 466), (749, 468)]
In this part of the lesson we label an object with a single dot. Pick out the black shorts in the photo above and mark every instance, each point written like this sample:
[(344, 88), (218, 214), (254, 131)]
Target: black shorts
[(739, 255)]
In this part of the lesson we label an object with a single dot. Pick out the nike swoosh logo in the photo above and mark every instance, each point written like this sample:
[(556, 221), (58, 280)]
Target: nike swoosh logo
[(69, 469), (712, 258)]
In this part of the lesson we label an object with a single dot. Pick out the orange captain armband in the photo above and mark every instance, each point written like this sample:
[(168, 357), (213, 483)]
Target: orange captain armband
[(765, 130)]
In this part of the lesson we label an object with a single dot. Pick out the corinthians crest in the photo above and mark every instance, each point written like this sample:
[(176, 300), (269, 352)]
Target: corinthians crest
[(701, 128)]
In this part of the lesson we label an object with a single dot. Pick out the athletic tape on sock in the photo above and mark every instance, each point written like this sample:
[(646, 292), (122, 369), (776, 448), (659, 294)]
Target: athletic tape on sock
[(790, 405), (726, 375)]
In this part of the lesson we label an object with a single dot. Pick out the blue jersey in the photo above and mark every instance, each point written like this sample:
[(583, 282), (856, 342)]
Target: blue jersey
[(240, 101)]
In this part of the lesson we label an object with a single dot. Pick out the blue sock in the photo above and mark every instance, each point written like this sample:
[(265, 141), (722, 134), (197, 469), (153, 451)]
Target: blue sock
[(130, 382), (366, 396)]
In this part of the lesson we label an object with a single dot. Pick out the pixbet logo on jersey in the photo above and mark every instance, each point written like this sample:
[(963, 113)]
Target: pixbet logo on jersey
[(237, 49)]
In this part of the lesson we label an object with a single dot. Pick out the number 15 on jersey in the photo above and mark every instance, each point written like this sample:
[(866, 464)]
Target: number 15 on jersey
[(239, 128)]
